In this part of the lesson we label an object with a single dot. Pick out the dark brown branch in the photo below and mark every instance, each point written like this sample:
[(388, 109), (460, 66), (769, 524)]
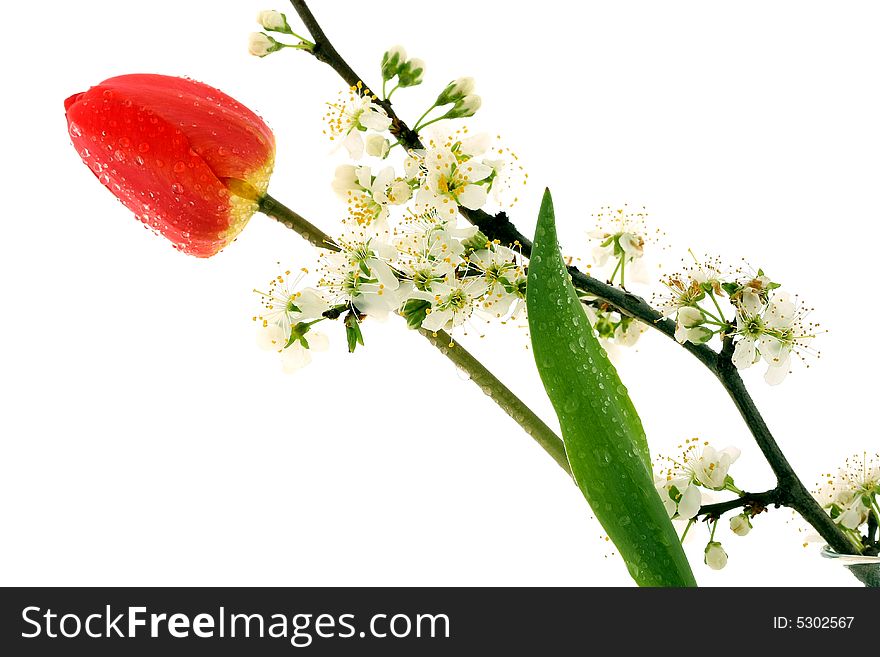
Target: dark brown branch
[(753, 501)]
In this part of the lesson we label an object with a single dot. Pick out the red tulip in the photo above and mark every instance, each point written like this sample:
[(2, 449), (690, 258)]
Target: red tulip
[(187, 159)]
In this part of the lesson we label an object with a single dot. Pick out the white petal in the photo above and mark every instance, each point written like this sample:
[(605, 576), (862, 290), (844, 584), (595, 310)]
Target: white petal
[(681, 333), (776, 373), (311, 303), (473, 197), (318, 341), (364, 177), (271, 338), (689, 317), (295, 357), (751, 303), (437, 320), (375, 118), (383, 273), (744, 353), (690, 502), (354, 144), (472, 172), (731, 453), (344, 180), (476, 144)]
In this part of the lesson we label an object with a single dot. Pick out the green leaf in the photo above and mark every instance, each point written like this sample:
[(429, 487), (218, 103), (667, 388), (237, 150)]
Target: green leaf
[(353, 332), (603, 435), (415, 311)]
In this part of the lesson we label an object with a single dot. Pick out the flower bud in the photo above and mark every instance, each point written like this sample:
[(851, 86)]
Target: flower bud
[(411, 73), (188, 160), (715, 556), (392, 61), (465, 107), (689, 326), (740, 525), (690, 317), (274, 21), (456, 90), (261, 44), (376, 146)]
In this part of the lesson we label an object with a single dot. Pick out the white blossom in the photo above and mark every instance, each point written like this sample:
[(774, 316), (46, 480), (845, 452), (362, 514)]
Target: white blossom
[(710, 469), (740, 524), (851, 495), (286, 314), (452, 180), (456, 90), (271, 20), (772, 332), (349, 119), (628, 331), (505, 276), (260, 44), (369, 196), (360, 275), (283, 304), (452, 302), (375, 145), (465, 107), (714, 556), (689, 326), (681, 498)]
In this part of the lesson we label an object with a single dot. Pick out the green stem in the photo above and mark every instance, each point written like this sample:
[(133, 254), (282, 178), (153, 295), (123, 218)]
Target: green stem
[(686, 530), (307, 230), (421, 118), (419, 128), (501, 395), (616, 269), (464, 360), (717, 307)]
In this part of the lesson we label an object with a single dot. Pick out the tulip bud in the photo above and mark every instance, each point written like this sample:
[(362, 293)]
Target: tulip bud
[(456, 90), (715, 556), (465, 107), (376, 146), (411, 73), (392, 62), (274, 21), (261, 44), (740, 524), (188, 160)]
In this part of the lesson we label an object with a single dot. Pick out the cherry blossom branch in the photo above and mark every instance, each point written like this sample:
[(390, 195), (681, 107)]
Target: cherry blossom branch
[(490, 384), (793, 493), (747, 500)]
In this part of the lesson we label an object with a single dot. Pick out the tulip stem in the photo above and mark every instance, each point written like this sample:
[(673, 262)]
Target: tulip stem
[(512, 405), (499, 227), (308, 231)]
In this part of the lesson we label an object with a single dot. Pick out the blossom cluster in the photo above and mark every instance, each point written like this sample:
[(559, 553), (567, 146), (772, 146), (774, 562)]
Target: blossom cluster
[(742, 307), (682, 484), (852, 499), (405, 250), (769, 324), (404, 247)]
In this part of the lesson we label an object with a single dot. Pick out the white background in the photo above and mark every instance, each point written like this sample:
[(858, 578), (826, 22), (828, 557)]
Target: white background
[(145, 438)]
